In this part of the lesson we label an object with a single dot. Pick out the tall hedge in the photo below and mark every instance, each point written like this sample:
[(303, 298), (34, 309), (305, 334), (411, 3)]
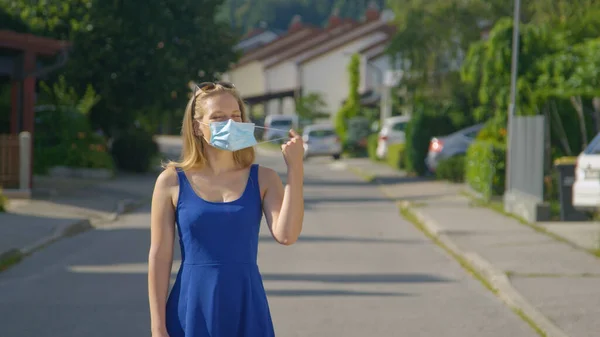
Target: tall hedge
[(486, 167), (426, 122)]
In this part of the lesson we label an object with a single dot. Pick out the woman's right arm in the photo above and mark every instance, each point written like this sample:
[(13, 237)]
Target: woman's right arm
[(160, 257)]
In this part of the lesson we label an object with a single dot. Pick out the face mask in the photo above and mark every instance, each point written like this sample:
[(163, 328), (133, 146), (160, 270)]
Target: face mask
[(233, 136)]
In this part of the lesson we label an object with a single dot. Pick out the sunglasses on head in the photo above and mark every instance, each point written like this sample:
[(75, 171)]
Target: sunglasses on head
[(208, 86)]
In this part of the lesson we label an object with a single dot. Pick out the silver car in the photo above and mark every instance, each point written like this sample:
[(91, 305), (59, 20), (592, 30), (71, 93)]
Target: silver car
[(454, 144), (321, 140)]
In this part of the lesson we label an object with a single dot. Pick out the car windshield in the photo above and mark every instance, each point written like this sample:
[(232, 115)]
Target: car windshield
[(321, 133), (594, 147), (282, 123)]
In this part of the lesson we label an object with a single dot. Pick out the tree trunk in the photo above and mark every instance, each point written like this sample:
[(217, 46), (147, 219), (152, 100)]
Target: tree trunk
[(564, 141), (578, 105), (596, 104)]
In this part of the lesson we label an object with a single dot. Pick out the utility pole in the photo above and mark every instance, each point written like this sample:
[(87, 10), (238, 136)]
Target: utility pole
[(513, 90)]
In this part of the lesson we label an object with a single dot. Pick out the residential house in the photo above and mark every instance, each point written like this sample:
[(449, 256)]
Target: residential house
[(320, 65), (283, 70), (256, 38), (248, 73)]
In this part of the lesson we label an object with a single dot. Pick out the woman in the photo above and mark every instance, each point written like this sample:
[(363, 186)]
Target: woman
[(217, 197)]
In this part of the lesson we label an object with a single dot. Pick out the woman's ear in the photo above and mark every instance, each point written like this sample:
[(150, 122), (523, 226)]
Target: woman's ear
[(197, 130)]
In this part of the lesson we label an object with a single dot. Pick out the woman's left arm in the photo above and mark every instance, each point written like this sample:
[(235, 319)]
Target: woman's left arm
[(284, 206)]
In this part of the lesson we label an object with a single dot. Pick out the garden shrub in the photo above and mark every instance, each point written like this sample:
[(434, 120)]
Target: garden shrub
[(134, 151), (355, 143), (395, 156), (485, 167), (451, 169), (426, 122), (3, 201), (372, 146)]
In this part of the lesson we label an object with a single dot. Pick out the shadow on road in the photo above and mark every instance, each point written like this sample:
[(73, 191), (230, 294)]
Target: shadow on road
[(335, 199), (390, 180), (332, 183), (356, 278), (329, 239), (324, 292)]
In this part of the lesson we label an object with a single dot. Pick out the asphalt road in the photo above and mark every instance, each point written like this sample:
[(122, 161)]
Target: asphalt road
[(359, 269)]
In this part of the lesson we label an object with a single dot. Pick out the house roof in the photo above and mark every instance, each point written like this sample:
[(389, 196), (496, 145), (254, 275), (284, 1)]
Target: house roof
[(376, 49), (279, 44), (40, 45), (252, 33), (309, 44), (358, 32)]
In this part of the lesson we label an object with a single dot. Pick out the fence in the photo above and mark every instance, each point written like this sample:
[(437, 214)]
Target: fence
[(15, 162), (9, 161), (525, 193)]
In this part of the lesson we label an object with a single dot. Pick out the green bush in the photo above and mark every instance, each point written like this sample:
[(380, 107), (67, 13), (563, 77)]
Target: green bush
[(64, 136), (395, 156), (3, 201), (372, 146), (485, 167), (426, 122), (452, 169), (134, 151), (81, 150), (357, 133)]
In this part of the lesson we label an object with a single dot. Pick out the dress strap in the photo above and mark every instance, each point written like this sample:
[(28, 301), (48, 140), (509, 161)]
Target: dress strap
[(183, 180), (253, 181)]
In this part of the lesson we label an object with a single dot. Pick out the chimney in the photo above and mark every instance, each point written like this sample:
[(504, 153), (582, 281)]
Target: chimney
[(334, 19), (295, 24), (372, 12)]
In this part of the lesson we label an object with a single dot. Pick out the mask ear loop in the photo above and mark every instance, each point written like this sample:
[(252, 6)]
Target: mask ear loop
[(261, 127), (272, 140)]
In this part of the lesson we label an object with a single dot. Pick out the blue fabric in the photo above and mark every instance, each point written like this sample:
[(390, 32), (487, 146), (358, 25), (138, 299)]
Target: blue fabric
[(219, 291), (232, 135)]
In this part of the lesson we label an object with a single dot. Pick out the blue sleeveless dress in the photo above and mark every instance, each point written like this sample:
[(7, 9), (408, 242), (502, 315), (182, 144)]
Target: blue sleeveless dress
[(218, 291)]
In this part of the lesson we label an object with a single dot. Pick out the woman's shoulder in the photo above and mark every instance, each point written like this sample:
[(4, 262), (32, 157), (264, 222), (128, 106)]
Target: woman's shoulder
[(267, 174), (167, 178)]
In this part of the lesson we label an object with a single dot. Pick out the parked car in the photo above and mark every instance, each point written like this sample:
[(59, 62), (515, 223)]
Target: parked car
[(278, 126), (586, 187), (321, 140), (454, 144), (357, 135), (393, 131)]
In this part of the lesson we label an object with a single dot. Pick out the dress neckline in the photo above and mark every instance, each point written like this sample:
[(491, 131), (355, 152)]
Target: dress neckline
[(244, 192)]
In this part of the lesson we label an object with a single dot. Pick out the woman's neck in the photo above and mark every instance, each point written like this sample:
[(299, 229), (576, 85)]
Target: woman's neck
[(219, 161)]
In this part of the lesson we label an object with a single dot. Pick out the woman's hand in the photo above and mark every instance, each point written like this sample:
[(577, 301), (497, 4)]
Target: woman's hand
[(293, 150)]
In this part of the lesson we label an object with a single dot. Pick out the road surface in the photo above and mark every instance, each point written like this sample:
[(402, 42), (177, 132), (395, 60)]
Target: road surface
[(359, 269)]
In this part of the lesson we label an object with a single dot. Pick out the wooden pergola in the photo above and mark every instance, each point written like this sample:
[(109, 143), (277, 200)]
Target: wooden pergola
[(19, 56), (24, 71)]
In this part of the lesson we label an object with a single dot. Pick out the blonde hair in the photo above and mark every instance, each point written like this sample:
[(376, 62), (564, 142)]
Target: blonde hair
[(193, 154)]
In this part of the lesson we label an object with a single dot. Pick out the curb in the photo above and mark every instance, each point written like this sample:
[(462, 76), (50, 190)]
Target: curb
[(497, 279), (14, 256)]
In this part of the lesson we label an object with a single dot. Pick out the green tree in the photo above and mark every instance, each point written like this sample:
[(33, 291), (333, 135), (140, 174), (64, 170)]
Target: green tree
[(573, 74), (488, 67), (139, 58), (54, 18), (351, 107), (140, 68), (311, 107)]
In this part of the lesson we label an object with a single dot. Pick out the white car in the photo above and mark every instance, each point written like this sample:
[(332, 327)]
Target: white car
[(392, 132), (278, 126), (586, 188), (321, 140)]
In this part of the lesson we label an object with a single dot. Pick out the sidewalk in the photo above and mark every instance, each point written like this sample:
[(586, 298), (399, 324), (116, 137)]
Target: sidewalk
[(552, 283), (63, 207)]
